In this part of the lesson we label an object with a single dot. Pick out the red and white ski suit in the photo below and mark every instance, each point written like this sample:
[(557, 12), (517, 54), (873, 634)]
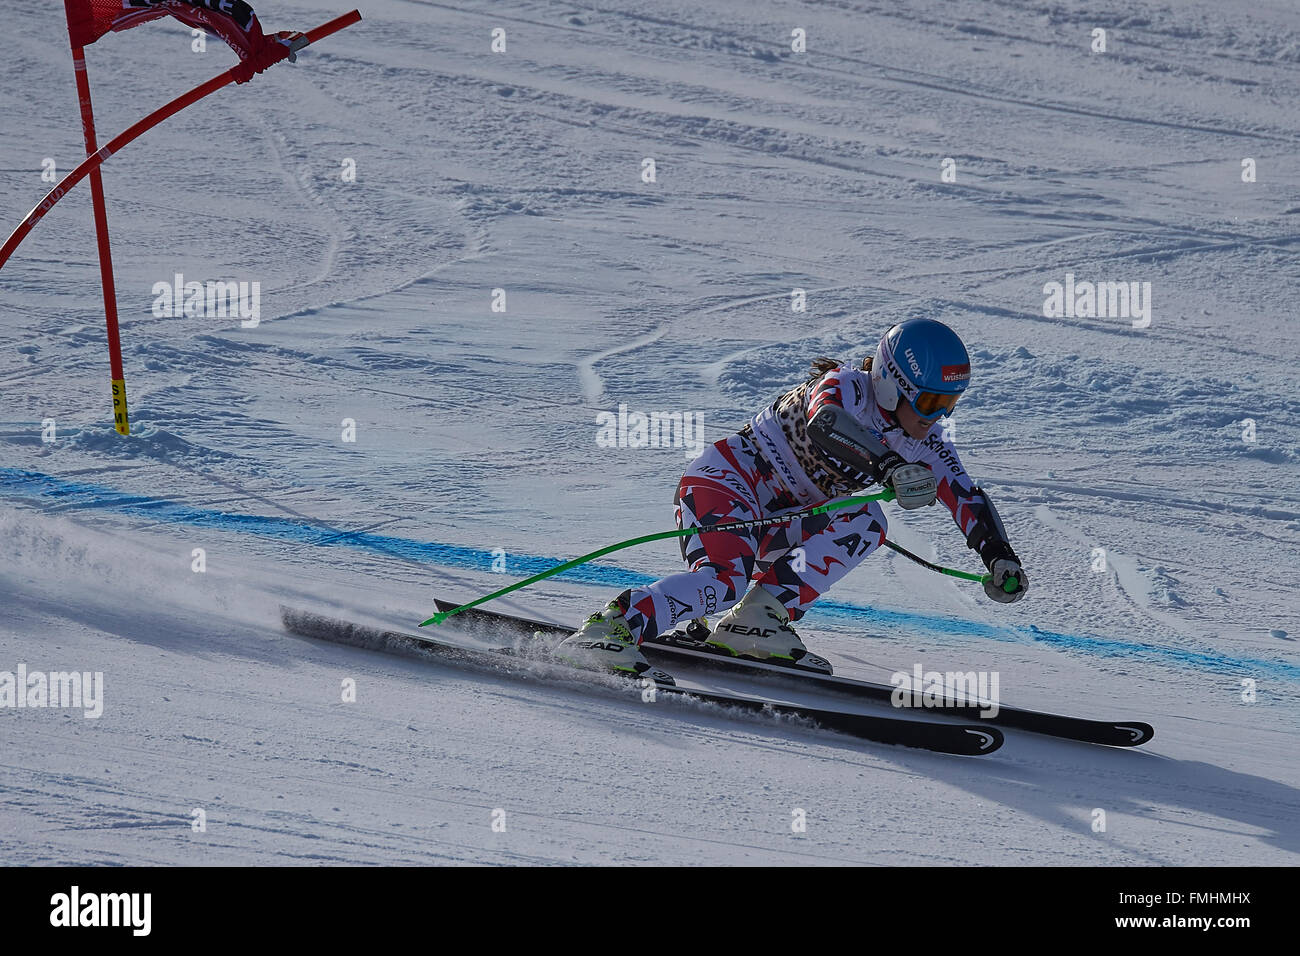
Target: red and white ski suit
[(773, 467)]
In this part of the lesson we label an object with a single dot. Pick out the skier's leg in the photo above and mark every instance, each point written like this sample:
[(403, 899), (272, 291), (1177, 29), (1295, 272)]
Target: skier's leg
[(721, 563), (717, 488), (799, 566), (731, 481), (830, 546)]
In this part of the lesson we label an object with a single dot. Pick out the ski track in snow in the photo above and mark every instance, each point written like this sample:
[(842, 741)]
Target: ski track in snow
[(475, 430)]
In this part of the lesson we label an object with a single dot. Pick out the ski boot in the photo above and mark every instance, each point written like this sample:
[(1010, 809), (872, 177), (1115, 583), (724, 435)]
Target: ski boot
[(758, 627), (604, 643)]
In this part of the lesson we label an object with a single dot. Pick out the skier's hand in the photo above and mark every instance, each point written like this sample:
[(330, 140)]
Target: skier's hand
[(1004, 573), (914, 484)]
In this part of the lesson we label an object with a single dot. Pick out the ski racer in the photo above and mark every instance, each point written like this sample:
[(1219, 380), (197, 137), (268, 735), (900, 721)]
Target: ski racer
[(842, 430)]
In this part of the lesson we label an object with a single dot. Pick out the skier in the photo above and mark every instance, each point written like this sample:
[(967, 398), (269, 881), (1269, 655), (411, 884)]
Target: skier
[(840, 431)]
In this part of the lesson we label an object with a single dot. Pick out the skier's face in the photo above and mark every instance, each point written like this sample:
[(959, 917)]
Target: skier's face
[(913, 424)]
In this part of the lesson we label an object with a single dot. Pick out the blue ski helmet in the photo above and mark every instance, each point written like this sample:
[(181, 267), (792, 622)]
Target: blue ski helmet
[(923, 362)]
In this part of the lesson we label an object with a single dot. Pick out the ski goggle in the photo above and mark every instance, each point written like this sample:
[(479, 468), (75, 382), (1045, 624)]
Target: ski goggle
[(934, 404)]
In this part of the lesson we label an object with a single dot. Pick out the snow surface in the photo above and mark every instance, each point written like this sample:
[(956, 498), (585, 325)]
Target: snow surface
[(476, 430)]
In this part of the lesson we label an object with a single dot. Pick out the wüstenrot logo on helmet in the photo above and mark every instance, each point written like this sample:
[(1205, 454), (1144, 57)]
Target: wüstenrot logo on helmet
[(955, 373)]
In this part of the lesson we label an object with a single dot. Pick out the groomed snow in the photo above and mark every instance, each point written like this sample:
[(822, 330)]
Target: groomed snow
[(476, 430)]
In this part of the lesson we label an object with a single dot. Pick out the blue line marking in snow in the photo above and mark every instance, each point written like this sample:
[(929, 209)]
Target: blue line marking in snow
[(49, 490)]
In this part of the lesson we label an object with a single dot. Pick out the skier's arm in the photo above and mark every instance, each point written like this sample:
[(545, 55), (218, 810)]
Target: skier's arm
[(979, 521), (837, 431), (985, 533), (1009, 581), (972, 509)]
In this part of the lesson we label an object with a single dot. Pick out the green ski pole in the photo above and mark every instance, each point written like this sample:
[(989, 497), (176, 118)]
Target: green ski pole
[(979, 578), (660, 536)]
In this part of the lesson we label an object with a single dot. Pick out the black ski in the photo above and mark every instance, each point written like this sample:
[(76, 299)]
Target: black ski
[(517, 660), (502, 659), (677, 649)]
